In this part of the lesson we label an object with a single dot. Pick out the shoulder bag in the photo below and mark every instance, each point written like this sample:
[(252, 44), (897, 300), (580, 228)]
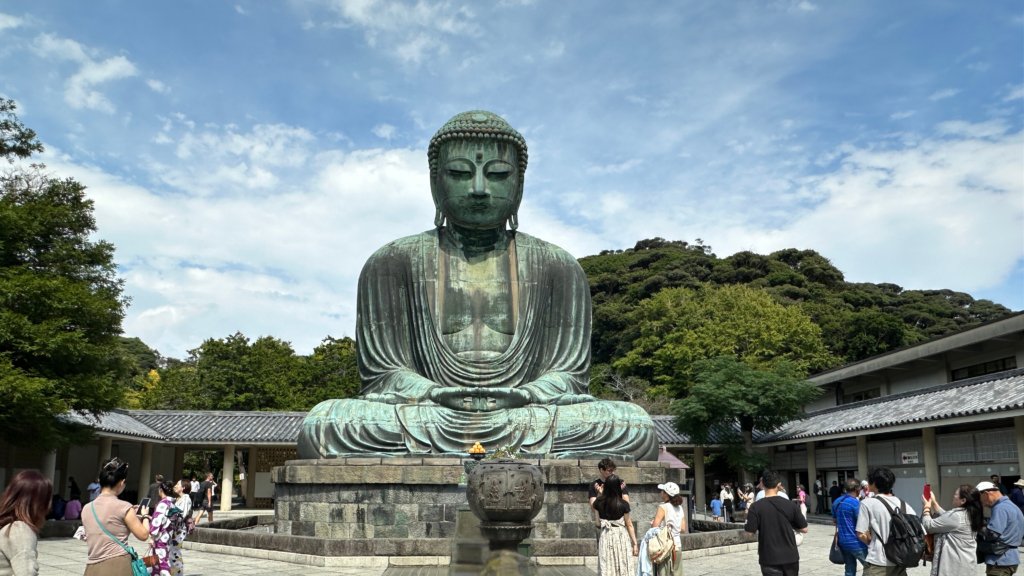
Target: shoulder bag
[(138, 565)]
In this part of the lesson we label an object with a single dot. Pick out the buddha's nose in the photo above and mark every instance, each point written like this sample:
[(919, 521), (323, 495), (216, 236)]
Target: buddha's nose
[(479, 184)]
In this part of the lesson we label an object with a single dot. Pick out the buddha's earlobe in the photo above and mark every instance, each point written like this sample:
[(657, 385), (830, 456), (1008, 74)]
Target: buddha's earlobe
[(438, 217), (513, 221)]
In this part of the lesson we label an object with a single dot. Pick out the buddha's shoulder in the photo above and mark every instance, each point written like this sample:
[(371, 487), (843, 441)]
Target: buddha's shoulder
[(406, 245), (551, 251)]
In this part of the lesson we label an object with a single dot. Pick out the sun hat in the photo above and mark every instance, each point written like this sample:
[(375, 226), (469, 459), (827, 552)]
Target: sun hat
[(1019, 483), (670, 488), (986, 486)]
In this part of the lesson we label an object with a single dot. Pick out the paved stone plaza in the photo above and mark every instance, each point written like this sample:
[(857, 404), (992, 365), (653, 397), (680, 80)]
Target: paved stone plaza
[(66, 557)]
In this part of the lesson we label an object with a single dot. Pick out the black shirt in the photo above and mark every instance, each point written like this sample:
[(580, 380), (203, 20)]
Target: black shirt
[(592, 491), (774, 519), (609, 510), (203, 487)]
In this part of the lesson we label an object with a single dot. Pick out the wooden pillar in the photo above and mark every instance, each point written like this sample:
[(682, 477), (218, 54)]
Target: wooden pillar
[(145, 469), (49, 466), (862, 457), (179, 464), (1018, 427), (106, 449), (250, 479), (227, 483), (812, 476), (698, 479), (931, 459)]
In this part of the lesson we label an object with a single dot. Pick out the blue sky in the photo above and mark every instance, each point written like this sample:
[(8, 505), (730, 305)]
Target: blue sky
[(246, 157)]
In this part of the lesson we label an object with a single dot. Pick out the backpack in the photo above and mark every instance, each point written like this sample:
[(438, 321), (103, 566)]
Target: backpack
[(660, 548), (905, 546)]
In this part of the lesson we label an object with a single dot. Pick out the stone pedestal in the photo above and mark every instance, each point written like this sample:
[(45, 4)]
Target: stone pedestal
[(408, 506)]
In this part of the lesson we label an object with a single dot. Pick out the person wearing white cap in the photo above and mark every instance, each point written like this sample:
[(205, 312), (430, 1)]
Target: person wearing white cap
[(671, 516), (1006, 520), (865, 491), (1017, 495)]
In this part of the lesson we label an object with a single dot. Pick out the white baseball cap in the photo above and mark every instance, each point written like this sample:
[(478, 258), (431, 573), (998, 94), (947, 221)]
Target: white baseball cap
[(985, 486), (670, 488)]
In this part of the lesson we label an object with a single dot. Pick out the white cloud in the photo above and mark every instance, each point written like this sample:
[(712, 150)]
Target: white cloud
[(903, 114), (554, 49), (617, 168), (412, 32), (241, 10), (157, 86), (947, 210), (385, 131), (1015, 93), (7, 21), (279, 259), (806, 6), (943, 94), (81, 88), (989, 129)]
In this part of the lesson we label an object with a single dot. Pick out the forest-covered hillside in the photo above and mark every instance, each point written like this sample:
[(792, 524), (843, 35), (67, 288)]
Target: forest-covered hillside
[(856, 320)]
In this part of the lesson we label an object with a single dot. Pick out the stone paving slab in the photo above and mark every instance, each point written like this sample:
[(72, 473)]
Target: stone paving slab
[(66, 557)]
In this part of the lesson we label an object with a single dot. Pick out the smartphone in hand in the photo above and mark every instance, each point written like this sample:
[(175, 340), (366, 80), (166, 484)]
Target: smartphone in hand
[(143, 504), (927, 491)]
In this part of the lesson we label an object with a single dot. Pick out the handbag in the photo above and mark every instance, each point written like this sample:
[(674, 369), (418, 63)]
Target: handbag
[(990, 542), (835, 553), (138, 564), (661, 547)]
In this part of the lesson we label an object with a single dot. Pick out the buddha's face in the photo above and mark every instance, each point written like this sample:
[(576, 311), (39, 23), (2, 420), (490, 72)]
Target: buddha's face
[(477, 184)]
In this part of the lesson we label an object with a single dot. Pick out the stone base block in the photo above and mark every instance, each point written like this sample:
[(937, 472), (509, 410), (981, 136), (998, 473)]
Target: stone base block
[(408, 506)]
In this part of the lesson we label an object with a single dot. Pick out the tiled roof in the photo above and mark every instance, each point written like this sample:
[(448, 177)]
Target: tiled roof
[(222, 427), (984, 394), (116, 422), (669, 436)]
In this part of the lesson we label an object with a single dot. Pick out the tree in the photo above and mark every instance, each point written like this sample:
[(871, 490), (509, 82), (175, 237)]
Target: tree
[(679, 327), (331, 372), (16, 141), (727, 391), (61, 303), (236, 375)]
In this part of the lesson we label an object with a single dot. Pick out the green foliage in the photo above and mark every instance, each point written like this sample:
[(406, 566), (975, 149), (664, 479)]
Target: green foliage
[(61, 304), (679, 327), (728, 391), (857, 320), (16, 141), (233, 373)]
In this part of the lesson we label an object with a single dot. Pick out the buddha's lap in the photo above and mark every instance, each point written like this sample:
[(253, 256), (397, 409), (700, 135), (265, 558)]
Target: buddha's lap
[(357, 412)]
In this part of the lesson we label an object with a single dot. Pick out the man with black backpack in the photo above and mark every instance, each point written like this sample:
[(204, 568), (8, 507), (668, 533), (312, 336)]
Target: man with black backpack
[(890, 528)]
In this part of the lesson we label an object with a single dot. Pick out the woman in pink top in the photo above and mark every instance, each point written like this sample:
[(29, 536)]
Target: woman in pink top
[(119, 518)]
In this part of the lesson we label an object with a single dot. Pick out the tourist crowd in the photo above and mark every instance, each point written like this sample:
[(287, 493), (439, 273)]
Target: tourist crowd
[(874, 529), (107, 521)]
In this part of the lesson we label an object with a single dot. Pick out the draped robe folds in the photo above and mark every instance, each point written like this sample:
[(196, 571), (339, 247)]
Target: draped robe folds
[(402, 355)]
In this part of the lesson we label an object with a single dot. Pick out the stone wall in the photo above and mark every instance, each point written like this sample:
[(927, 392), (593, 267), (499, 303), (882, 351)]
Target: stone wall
[(366, 502)]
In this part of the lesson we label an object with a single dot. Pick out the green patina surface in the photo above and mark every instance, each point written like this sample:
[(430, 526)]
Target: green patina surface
[(474, 331)]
